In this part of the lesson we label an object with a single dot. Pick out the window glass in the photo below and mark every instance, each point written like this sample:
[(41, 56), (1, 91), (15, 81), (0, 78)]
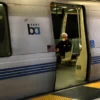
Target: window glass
[(57, 22), (72, 26), (5, 46)]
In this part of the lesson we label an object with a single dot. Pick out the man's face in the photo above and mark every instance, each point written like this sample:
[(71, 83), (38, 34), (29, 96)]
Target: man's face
[(64, 37)]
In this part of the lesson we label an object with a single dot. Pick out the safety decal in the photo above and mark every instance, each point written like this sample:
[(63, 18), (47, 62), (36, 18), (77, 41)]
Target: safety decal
[(92, 43)]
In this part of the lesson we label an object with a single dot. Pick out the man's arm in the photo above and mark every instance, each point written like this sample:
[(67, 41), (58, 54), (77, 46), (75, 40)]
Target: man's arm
[(58, 47)]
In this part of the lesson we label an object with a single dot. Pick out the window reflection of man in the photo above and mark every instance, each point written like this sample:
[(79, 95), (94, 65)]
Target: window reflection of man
[(63, 46)]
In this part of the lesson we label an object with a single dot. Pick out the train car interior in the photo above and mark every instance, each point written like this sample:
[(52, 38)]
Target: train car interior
[(72, 69)]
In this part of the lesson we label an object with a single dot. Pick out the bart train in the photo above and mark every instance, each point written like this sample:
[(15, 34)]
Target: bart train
[(27, 53)]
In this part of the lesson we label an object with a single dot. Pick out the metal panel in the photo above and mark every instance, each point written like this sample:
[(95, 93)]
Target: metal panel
[(95, 72), (24, 60), (27, 2), (39, 2), (26, 86), (35, 3), (22, 42), (10, 1), (27, 10)]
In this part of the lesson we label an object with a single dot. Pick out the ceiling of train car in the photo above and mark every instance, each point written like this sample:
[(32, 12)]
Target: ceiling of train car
[(59, 7), (69, 10)]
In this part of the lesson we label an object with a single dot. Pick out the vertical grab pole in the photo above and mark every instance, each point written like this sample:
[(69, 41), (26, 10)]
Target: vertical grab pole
[(63, 30), (79, 29)]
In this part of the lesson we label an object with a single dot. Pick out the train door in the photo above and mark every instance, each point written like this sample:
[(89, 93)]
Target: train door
[(72, 67)]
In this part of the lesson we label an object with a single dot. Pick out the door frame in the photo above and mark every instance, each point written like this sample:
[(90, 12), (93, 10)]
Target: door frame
[(87, 47)]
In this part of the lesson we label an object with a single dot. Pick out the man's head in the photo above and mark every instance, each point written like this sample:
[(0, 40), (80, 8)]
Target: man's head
[(64, 36)]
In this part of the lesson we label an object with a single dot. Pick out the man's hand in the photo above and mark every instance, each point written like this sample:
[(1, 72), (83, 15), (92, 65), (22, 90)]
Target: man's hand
[(57, 50)]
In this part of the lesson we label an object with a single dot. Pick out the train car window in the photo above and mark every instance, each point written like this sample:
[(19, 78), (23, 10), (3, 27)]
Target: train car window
[(57, 25), (5, 45), (72, 20)]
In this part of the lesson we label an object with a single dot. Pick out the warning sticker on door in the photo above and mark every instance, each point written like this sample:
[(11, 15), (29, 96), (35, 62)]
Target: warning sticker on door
[(92, 43)]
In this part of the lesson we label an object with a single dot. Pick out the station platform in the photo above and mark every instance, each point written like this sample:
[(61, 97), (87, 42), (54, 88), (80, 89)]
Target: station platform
[(89, 91)]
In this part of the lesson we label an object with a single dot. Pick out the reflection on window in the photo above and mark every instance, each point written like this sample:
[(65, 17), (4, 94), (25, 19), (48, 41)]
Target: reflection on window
[(5, 47)]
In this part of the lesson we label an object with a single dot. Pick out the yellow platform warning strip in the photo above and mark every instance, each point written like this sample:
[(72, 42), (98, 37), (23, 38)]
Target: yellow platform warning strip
[(93, 85), (51, 97)]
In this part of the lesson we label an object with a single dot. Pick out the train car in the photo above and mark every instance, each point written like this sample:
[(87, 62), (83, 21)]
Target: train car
[(27, 45)]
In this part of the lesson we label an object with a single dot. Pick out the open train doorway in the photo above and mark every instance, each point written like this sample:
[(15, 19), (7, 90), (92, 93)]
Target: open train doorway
[(71, 53)]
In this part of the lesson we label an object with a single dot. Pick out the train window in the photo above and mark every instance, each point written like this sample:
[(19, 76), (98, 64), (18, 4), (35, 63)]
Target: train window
[(5, 45), (57, 25), (72, 20)]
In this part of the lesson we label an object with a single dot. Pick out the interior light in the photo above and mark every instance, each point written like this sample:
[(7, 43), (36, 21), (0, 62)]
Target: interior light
[(55, 8), (1, 5), (70, 9), (64, 7)]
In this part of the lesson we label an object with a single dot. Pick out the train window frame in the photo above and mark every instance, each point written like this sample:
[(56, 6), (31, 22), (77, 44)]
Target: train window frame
[(5, 45)]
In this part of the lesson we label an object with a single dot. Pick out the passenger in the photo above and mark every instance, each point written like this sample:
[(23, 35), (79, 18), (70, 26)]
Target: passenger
[(63, 46)]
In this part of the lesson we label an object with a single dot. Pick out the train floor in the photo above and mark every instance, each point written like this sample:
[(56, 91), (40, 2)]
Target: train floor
[(65, 76), (90, 91)]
